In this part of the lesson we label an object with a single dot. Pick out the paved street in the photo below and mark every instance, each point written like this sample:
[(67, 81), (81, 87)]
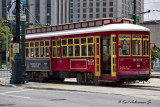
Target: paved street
[(69, 94), (19, 97)]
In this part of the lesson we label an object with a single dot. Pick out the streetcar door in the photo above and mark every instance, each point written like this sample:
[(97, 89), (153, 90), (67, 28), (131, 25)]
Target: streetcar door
[(113, 55), (97, 56)]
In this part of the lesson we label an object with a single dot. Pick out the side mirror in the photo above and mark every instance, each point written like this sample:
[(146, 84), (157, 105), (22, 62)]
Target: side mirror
[(119, 45)]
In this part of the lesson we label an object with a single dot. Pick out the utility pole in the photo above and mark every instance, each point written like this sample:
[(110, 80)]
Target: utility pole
[(17, 73), (134, 13)]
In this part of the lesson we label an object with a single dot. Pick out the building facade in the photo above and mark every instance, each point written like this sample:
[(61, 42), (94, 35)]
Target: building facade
[(42, 11), (67, 11), (3, 9), (81, 10)]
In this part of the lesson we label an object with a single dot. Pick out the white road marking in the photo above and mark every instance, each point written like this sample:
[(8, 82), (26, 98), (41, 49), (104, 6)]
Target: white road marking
[(10, 92), (18, 96), (16, 91)]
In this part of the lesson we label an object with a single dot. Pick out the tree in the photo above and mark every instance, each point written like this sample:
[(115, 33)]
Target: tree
[(3, 35), (155, 53)]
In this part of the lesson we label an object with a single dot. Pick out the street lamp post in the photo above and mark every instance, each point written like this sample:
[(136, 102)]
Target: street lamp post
[(17, 74)]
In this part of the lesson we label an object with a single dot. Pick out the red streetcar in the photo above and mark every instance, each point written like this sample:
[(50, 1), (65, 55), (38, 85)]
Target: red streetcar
[(99, 51)]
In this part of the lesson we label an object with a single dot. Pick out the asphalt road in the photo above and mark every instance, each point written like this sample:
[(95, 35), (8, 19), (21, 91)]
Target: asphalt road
[(19, 97)]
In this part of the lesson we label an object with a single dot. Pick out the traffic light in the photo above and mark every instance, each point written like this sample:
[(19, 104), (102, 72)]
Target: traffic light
[(5, 23), (29, 23), (47, 25)]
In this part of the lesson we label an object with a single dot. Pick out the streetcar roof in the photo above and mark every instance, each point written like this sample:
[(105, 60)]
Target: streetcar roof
[(110, 27)]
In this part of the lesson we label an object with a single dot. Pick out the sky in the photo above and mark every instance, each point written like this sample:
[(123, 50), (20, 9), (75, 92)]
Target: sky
[(152, 5)]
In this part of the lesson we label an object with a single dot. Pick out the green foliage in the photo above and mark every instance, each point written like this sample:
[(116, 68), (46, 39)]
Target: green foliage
[(155, 53), (3, 30)]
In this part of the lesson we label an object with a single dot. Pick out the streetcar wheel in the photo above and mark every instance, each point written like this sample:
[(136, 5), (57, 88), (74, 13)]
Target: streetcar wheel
[(79, 78), (41, 77), (96, 81), (61, 79)]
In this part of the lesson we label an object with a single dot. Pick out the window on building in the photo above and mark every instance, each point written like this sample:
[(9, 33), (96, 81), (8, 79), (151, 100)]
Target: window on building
[(90, 4), (84, 4), (84, 15), (97, 4), (97, 9), (90, 9), (104, 3), (110, 15), (111, 4), (84, 10), (97, 15), (104, 9), (90, 15), (104, 16), (111, 9)]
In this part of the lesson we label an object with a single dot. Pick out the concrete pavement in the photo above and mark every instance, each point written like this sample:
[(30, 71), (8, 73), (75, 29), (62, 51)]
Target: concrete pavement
[(150, 89)]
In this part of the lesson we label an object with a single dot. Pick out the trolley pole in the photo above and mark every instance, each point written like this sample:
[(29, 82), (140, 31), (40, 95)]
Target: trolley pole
[(17, 74), (134, 13)]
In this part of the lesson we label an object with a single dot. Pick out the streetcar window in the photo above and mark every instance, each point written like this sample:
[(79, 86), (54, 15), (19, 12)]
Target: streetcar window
[(64, 48), (53, 28), (71, 26), (84, 24), (26, 44), (64, 42), (90, 50), (106, 22), (36, 44), (98, 23), (84, 50), (53, 43), (31, 44), (136, 45), (91, 23), (58, 42), (76, 41), (59, 27), (47, 52), (54, 52), (32, 52), (46, 43), (28, 31), (77, 50), (70, 50), (70, 41), (125, 50), (90, 40), (55, 48), (43, 29), (37, 52), (65, 27), (78, 25), (27, 52), (58, 51), (42, 43), (49, 29), (38, 30), (145, 45), (83, 40), (33, 31), (41, 51)]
